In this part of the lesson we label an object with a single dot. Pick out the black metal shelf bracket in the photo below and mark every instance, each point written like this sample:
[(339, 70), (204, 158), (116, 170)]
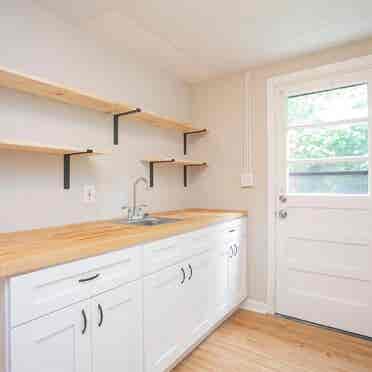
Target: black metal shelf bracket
[(116, 122), (66, 166), (187, 134), (185, 171), (151, 166)]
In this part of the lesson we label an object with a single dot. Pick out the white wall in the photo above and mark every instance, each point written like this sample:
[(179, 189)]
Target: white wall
[(31, 192), (219, 105)]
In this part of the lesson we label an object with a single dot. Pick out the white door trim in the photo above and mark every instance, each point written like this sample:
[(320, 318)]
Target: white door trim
[(274, 87)]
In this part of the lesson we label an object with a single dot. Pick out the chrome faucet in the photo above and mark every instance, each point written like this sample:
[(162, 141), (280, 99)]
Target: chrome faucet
[(136, 182), (136, 212)]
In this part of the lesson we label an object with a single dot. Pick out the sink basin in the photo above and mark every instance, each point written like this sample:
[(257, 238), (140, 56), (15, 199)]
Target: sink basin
[(147, 221)]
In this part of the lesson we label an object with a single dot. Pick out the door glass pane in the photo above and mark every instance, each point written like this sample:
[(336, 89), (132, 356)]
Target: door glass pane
[(338, 104), (326, 178), (328, 142), (325, 156)]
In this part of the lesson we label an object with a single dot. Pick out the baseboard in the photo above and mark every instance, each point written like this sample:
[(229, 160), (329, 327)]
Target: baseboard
[(256, 306)]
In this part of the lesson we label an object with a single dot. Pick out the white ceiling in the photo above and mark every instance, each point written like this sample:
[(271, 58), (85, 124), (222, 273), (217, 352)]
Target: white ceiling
[(198, 39)]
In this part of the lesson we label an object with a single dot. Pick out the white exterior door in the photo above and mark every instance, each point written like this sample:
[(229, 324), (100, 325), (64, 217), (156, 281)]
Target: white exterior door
[(323, 229), (117, 343), (59, 342)]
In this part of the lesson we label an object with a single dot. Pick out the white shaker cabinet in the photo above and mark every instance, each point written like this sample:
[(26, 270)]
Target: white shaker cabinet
[(138, 309), (198, 297), (164, 323), (117, 330), (237, 276), (178, 309), (220, 275), (59, 342), (97, 335)]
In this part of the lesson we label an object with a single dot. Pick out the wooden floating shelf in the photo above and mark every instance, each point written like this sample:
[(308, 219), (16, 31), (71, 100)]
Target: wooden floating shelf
[(176, 161), (163, 122), (43, 88), (172, 161), (47, 149), (65, 151)]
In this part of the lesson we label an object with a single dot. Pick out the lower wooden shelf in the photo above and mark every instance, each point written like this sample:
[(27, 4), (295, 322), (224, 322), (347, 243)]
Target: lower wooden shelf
[(66, 151), (172, 161)]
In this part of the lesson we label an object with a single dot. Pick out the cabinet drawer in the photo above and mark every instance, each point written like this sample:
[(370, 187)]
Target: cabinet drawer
[(233, 231), (162, 253), (166, 252), (41, 292), (198, 242)]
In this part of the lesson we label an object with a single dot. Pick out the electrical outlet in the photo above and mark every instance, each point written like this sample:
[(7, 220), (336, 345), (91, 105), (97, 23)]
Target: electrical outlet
[(89, 194), (246, 180)]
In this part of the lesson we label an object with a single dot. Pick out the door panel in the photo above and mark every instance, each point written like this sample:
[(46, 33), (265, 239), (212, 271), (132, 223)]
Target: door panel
[(54, 343), (344, 260), (327, 224), (323, 241), (117, 330)]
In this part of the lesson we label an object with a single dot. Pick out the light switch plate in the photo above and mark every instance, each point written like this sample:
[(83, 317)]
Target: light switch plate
[(246, 180), (89, 194)]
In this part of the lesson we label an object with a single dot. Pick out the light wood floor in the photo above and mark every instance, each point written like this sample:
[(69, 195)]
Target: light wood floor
[(253, 342)]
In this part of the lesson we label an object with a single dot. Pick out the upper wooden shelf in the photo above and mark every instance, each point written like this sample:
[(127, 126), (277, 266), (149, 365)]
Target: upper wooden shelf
[(47, 149), (43, 88)]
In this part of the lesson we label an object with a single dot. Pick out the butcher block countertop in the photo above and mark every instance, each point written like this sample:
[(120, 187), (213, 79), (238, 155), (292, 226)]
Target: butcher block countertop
[(26, 251)]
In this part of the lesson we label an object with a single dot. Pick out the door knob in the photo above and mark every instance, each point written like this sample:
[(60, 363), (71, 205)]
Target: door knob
[(282, 214)]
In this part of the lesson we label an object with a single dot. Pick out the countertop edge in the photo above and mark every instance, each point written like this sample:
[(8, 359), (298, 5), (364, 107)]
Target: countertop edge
[(36, 260)]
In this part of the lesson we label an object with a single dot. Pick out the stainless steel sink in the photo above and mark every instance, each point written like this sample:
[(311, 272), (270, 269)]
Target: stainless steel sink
[(147, 221)]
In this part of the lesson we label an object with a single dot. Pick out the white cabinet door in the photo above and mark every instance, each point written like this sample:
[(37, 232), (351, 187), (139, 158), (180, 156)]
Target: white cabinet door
[(117, 344), (59, 342), (219, 289), (237, 271), (164, 317), (198, 311)]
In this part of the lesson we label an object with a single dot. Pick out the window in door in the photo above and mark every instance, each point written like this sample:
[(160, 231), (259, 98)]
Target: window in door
[(327, 141)]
